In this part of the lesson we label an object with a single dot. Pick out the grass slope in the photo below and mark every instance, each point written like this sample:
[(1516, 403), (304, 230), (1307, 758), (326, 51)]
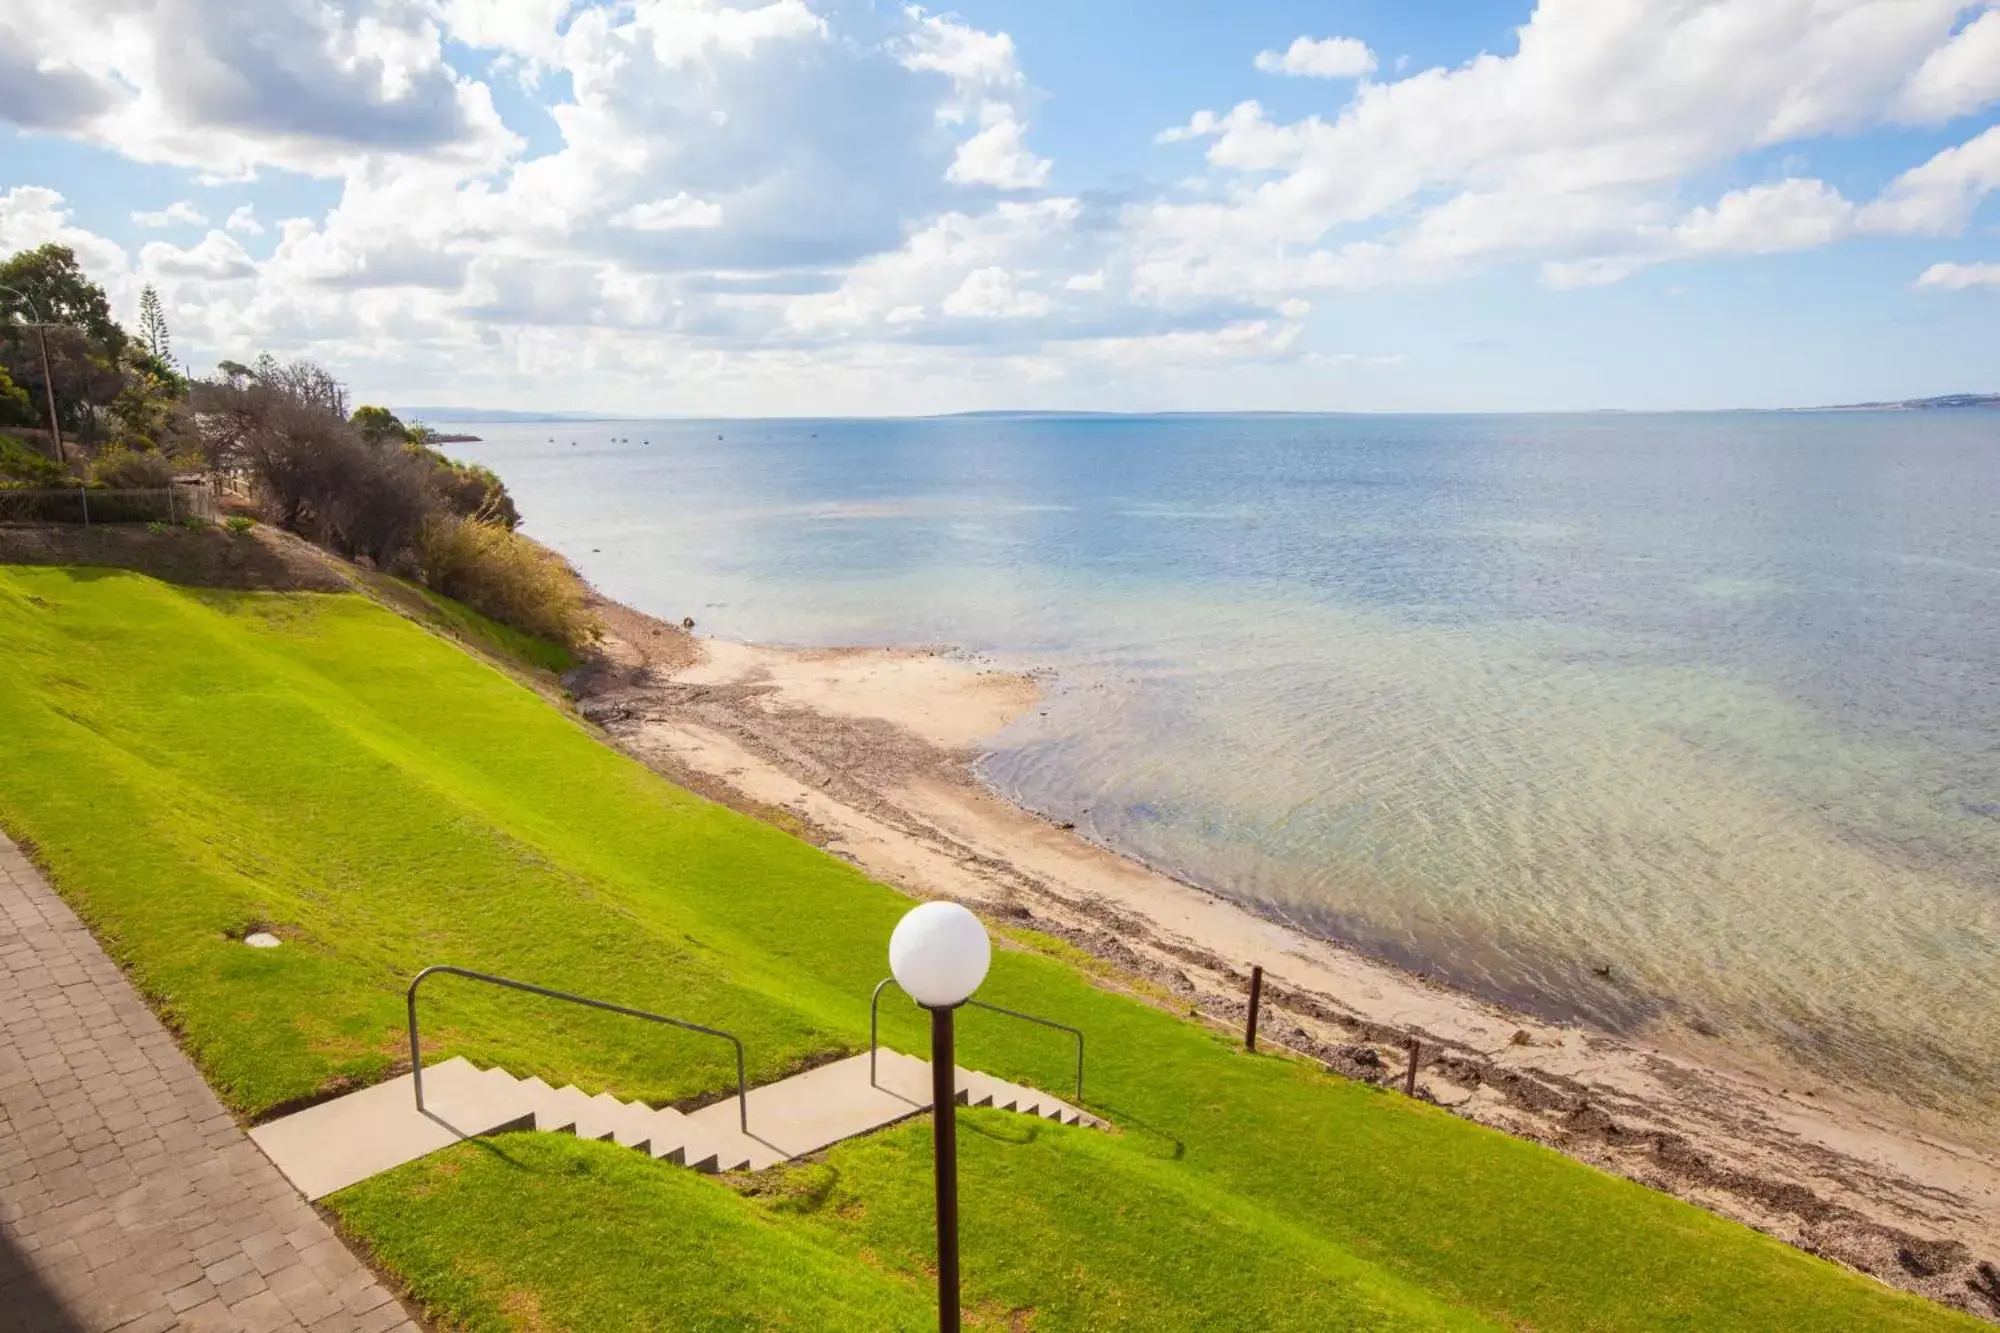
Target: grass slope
[(190, 763)]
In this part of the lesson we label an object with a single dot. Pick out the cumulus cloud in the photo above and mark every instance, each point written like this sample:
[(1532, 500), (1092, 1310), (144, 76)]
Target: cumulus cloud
[(971, 58), (1571, 149), (41, 94), (1320, 58), (1937, 197), (179, 212), (681, 211), (227, 86), (216, 258), (998, 156), (1958, 277), (1959, 77), (32, 216), (713, 193), (1789, 215), (990, 293)]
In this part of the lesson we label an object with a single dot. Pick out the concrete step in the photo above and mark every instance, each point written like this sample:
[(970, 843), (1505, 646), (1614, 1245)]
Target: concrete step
[(809, 1111), (348, 1139), (337, 1143), (582, 1115)]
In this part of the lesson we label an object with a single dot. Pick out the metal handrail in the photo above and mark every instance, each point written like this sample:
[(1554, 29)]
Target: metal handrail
[(874, 1030), (416, 1050)]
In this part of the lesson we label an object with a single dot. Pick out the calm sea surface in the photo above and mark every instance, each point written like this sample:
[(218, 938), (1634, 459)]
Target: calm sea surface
[(1713, 700)]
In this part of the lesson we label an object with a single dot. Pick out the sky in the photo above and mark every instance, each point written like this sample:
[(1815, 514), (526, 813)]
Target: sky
[(832, 207)]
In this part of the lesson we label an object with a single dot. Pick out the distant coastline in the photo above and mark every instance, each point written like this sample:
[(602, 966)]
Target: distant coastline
[(500, 416), (1943, 402)]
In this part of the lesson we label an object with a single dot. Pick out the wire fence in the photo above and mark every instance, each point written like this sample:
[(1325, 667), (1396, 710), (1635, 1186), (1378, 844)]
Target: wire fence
[(92, 504)]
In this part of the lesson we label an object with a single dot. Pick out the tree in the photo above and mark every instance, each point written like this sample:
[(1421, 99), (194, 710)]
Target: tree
[(86, 348), (151, 411), (153, 326), (63, 294), (378, 424), (286, 424)]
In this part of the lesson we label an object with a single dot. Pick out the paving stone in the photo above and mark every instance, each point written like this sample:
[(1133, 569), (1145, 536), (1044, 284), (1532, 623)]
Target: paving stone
[(130, 1199)]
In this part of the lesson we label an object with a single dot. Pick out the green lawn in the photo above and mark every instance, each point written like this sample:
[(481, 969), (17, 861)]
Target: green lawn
[(188, 764)]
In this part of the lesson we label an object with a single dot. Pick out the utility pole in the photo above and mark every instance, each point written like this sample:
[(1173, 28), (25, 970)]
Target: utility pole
[(48, 375)]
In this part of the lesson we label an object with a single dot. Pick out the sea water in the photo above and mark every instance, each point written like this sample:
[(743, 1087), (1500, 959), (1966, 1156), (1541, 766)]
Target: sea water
[(1689, 717)]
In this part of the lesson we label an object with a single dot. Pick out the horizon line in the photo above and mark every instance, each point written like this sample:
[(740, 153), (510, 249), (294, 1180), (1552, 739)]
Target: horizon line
[(530, 416)]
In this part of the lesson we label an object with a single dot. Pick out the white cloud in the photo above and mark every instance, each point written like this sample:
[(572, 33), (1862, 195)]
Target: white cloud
[(179, 212), (524, 27), (1320, 58), (32, 216), (1788, 215), (227, 86), (969, 57), (1568, 275), (1959, 77), (843, 197), (998, 155), (1245, 340), (1571, 150), (682, 211), (1937, 198), (1959, 277), (216, 258), (938, 261), (990, 293), (1245, 140)]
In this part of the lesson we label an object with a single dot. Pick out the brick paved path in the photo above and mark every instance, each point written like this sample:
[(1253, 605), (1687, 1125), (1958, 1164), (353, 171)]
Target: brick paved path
[(128, 1197)]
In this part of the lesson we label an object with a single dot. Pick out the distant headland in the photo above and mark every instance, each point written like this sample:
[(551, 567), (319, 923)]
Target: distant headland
[(1942, 401)]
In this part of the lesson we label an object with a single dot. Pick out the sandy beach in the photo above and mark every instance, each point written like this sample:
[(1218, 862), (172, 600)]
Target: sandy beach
[(869, 753)]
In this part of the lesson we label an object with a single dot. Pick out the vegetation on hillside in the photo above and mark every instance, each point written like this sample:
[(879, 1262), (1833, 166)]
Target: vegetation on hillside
[(191, 765), (362, 484)]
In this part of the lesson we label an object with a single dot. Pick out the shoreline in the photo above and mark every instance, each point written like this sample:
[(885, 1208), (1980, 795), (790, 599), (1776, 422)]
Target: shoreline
[(870, 753)]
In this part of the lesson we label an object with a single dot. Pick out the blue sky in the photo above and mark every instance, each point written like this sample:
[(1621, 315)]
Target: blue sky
[(832, 206)]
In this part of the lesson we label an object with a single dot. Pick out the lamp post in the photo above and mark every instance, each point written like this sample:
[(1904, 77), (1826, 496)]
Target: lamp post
[(48, 376), (939, 954)]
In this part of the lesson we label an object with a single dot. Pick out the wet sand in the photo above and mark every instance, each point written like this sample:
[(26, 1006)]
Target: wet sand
[(870, 752)]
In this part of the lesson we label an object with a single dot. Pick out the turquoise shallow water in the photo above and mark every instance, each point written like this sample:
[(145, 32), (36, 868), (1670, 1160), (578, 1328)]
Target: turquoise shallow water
[(1712, 699)]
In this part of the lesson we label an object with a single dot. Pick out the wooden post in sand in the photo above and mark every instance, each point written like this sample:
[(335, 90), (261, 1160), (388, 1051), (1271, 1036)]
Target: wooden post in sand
[(1410, 1078), (1256, 997)]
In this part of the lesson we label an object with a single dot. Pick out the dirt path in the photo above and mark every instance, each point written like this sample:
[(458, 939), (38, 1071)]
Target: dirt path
[(869, 752)]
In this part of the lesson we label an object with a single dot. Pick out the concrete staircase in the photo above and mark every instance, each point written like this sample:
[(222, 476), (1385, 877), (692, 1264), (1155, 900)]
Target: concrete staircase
[(340, 1142)]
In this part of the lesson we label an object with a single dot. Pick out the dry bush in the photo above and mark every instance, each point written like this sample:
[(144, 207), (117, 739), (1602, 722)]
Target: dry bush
[(501, 574), (133, 470), (286, 425)]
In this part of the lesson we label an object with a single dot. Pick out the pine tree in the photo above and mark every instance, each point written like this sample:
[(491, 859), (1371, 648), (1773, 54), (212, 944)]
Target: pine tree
[(153, 326)]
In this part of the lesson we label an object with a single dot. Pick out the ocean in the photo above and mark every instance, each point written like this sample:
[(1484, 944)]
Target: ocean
[(1636, 719)]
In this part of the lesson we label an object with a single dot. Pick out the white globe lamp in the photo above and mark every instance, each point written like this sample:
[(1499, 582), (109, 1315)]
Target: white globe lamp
[(939, 954)]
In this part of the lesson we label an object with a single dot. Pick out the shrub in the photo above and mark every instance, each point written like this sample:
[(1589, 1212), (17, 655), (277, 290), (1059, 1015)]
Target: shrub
[(507, 577), (472, 491), (20, 463), (238, 524), (195, 523), (16, 408), (286, 425), (158, 529), (132, 470)]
